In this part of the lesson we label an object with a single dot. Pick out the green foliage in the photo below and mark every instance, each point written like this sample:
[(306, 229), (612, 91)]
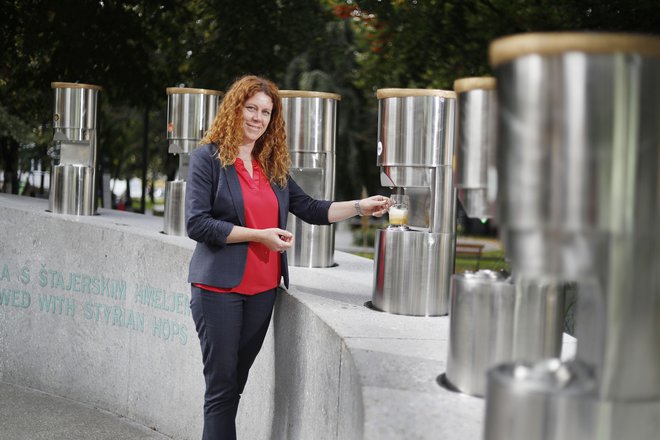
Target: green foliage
[(331, 67), (114, 44), (11, 126), (231, 39), (491, 260), (365, 237), (429, 44), (135, 49)]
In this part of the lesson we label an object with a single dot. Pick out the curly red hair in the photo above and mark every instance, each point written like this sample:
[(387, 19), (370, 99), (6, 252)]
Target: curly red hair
[(226, 131)]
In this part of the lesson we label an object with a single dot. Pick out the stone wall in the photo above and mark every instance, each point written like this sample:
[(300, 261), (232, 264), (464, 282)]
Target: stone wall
[(96, 309)]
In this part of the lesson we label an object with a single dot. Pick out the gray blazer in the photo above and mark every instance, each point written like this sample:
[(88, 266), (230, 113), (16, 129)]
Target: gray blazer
[(214, 204)]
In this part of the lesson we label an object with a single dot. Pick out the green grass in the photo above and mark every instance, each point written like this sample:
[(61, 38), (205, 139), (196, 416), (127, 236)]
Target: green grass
[(493, 260), (154, 208)]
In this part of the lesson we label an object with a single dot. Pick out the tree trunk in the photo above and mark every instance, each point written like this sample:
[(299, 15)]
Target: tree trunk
[(9, 154), (145, 160)]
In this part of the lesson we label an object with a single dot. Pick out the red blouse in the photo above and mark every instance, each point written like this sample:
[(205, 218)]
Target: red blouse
[(262, 268)]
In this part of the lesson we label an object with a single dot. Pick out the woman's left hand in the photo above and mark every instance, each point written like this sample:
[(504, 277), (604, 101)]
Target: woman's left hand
[(375, 205)]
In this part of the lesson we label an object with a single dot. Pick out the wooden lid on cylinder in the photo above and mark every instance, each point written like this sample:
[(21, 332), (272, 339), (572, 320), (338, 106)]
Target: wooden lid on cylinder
[(308, 94), (406, 93), (182, 90), (68, 85), (503, 50), (474, 83)]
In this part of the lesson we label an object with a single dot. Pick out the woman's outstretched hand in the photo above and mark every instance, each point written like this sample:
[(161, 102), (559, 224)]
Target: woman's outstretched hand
[(375, 205)]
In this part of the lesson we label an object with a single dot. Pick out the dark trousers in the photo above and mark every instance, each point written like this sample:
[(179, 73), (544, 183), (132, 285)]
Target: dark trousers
[(231, 329)]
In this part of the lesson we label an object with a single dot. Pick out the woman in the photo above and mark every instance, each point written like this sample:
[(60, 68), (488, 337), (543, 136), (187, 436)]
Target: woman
[(237, 199)]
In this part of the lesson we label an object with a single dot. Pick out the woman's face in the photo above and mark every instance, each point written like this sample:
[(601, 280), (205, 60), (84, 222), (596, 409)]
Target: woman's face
[(256, 116)]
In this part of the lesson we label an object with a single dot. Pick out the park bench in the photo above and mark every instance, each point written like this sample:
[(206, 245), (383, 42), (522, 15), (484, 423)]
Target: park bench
[(470, 250)]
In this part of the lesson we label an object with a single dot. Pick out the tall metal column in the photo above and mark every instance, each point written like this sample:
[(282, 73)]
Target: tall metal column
[(72, 186), (190, 113), (310, 119)]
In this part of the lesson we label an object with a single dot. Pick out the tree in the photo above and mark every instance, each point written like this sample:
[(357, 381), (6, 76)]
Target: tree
[(429, 44), (122, 46), (231, 39), (330, 67), (135, 49)]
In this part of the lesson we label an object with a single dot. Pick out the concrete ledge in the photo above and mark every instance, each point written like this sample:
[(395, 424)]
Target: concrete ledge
[(95, 309), (397, 360)]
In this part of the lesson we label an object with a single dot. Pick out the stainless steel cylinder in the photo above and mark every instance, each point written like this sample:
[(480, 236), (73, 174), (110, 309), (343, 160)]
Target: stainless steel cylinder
[(415, 151), (73, 155), (476, 169), (415, 127), (481, 322), (538, 324), (545, 400), (579, 194), (72, 190), (190, 113), (310, 119), (411, 271), (494, 319), (74, 111), (314, 245), (175, 208), (442, 203), (559, 401)]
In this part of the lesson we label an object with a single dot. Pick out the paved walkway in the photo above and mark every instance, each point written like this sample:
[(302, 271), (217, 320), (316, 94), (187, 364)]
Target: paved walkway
[(27, 414)]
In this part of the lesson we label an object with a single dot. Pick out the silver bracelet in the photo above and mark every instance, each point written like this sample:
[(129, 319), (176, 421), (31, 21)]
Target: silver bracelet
[(357, 208)]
